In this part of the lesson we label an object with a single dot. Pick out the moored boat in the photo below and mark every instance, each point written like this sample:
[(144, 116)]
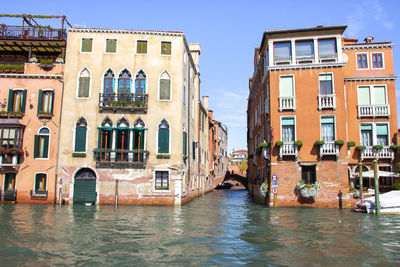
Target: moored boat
[(390, 203)]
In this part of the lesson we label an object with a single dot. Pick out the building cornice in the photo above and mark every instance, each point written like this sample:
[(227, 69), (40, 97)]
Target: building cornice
[(94, 30), (367, 46), (370, 79), (306, 66), (30, 76)]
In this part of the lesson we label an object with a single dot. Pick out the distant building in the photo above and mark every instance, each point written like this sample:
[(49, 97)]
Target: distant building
[(31, 89), (237, 161), (314, 97)]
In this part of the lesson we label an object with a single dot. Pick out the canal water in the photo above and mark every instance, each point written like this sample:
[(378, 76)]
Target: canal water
[(222, 228)]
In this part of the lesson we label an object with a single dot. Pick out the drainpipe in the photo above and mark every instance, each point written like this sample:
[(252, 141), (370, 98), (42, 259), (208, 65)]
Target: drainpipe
[(58, 145)]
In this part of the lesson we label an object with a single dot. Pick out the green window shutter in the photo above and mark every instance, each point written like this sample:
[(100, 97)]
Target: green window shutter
[(10, 100), (286, 86), (381, 129), (142, 139), (184, 144), (163, 141), (327, 120), (40, 101), (165, 92), (194, 150), (98, 138), (364, 95), (52, 102), (141, 47), (23, 102), (46, 146), (166, 48), (89, 45), (366, 127), (84, 45), (379, 95), (84, 86), (80, 139), (287, 121), (36, 147)]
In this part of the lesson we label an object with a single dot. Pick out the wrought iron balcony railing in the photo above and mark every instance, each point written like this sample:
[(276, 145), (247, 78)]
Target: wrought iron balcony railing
[(8, 195), (373, 110), (123, 102), (119, 158), (32, 33)]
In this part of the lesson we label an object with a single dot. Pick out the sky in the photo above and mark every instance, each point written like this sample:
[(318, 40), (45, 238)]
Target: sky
[(228, 32)]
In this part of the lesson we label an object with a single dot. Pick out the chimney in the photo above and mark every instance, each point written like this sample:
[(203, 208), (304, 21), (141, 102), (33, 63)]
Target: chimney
[(205, 102), (369, 39), (195, 51)]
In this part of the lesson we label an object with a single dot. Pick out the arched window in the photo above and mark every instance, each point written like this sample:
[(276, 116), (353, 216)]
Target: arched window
[(84, 83), (80, 135), (138, 140), (140, 83), (124, 82), (41, 145), (109, 82), (163, 137), (165, 86), (122, 140), (105, 140)]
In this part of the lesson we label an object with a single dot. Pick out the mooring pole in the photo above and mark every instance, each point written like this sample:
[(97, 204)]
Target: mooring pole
[(360, 181), (116, 193), (60, 192), (377, 204)]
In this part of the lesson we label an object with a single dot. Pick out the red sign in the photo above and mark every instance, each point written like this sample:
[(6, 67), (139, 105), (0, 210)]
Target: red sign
[(274, 190)]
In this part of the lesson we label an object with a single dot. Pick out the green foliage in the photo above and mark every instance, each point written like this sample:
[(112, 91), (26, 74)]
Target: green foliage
[(351, 143), (339, 142), (46, 61), (11, 67), (360, 148), (278, 143), (395, 147), (396, 185), (298, 143), (319, 142), (377, 147)]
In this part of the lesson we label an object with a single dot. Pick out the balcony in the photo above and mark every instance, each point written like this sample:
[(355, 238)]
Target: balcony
[(305, 59), (288, 150), (39, 194), (282, 60), (11, 115), (287, 103), (10, 32), (373, 110), (329, 149), (8, 195), (385, 153), (331, 57), (326, 102), (118, 158), (9, 161), (124, 103)]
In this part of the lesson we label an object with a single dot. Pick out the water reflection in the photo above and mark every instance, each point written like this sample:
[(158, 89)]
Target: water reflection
[(221, 228)]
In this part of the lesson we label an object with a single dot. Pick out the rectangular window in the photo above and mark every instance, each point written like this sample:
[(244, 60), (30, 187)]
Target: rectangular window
[(87, 44), (327, 48), (83, 86), (366, 134), (184, 144), (162, 181), (377, 60), (45, 105), (304, 50), (165, 48), (41, 146), (379, 95), (382, 134), (80, 139), (364, 97), (141, 47), (288, 129), (16, 101), (194, 149), (163, 141), (325, 84), (372, 95), (9, 181), (362, 61), (282, 51), (286, 86), (308, 174), (111, 45), (328, 129), (40, 182), (165, 92)]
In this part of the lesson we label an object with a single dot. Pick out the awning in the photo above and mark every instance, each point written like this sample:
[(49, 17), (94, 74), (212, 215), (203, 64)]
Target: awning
[(370, 174)]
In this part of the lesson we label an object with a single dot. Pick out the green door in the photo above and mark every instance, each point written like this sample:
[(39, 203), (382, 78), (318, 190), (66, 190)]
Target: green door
[(85, 187)]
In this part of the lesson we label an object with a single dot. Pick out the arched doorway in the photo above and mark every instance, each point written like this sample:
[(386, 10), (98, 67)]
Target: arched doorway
[(85, 187)]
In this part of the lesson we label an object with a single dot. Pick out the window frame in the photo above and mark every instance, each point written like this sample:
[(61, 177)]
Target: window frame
[(334, 126), (22, 107), (34, 181), (368, 63), (169, 137), (372, 61), (170, 87), (49, 145), (4, 180), (105, 46), (165, 41), (295, 128), (74, 136), (372, 93), (333, 82), (51, 107), (147, 46), (294, 84), (155, 178), (78, 81), (376, 133), (86, 52)]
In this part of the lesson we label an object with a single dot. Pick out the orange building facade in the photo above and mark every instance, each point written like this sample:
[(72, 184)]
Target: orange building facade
[(321, 102)]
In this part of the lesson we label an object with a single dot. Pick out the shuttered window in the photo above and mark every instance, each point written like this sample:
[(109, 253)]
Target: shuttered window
[(382, 134), (16, 101), (111, 45), (379, 95), (41, 144), (286, 86), (84, 83), (80, 139), (165, 48), (163, 141), (46, 102), (194, 149), (165, 87), (372, 95), (364, 97), (141, 47), (86, 45), (184, 144)]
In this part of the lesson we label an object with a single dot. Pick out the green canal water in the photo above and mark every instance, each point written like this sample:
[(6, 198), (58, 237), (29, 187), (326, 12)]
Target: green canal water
[(222, 228)]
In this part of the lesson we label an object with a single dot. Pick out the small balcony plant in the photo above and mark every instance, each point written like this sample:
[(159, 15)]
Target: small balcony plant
[(361, 148), (395, 147), (319, 143), (308, 190), (339, 142), (260, 147), (351, 144), (377, 147), (298, 143), (278, 143)]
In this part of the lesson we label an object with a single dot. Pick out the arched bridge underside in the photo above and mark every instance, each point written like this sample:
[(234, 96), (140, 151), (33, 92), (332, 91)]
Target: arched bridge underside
[(236, 177)]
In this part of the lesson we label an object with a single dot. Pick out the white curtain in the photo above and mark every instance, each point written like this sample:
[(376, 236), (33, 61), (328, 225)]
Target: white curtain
[(328, 132)]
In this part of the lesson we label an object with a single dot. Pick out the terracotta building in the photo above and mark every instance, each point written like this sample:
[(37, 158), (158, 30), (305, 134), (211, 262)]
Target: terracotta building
[(130, 125), (318, 104), (31, 90), (237, 162)]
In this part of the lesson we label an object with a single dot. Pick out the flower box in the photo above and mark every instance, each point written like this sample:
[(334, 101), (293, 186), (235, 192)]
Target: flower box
[(308, 190)]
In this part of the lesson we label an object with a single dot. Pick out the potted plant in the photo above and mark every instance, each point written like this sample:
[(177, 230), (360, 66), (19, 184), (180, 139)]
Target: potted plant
[(308, 190), (319, 142), (377, 147), (298, 143), (59, 59), (260, 147), (395, 147), (33, 59), (339, 142), (278, 143), (361, 148), (351, 143)]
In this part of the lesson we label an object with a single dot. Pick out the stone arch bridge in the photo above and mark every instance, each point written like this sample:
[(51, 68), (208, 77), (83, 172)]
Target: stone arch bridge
[(236, 177)]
